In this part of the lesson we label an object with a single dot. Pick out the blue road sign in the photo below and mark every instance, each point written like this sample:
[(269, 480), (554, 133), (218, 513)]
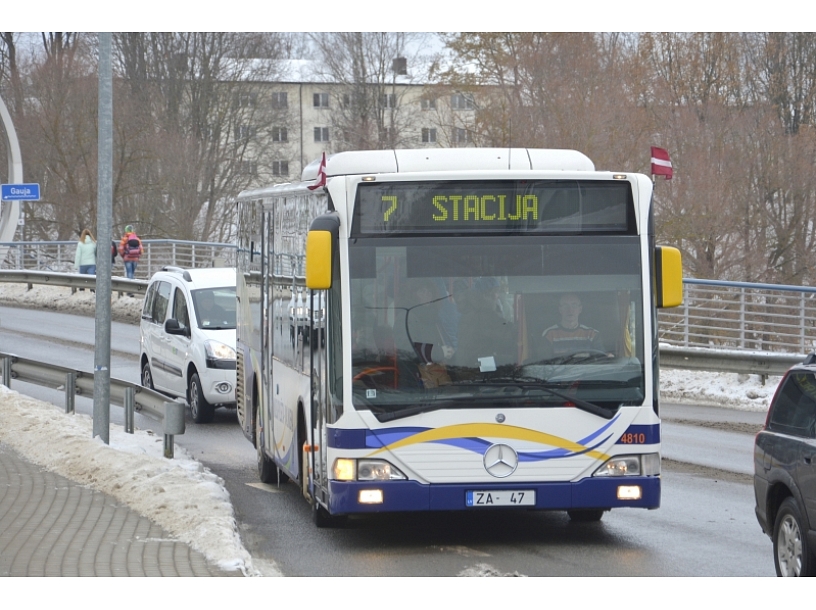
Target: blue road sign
[(20, 192)]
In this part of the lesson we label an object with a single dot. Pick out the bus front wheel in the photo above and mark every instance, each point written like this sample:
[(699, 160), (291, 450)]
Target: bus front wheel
[(586, 515)]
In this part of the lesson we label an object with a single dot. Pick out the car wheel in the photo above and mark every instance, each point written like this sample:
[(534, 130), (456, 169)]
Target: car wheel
[(586, 515), (202, 411), (792, 555), (147, 376)]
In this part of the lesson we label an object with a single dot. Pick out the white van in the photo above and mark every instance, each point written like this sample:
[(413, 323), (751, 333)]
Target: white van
[(187, 336)]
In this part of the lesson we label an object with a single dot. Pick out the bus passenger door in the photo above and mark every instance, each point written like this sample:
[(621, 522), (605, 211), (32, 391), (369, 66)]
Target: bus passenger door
[(317, 459)]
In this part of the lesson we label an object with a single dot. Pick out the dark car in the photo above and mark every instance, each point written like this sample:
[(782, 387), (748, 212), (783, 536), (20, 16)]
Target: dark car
[(785, 472)]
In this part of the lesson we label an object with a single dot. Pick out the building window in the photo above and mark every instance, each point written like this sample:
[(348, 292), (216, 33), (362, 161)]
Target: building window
[(429, 135), (461, 101), (280, 99), (462, 136), (321, 134), (388, 100), (428, 104), (244, 132), (246, 99), (279, 134), (249, 167), (321, 100), (280, 168)]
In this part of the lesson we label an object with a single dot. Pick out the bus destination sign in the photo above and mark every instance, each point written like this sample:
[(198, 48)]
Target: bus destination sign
[(494, 206)]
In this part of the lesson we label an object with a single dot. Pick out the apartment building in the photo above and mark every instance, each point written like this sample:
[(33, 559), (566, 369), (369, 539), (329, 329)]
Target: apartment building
[(309, 114)]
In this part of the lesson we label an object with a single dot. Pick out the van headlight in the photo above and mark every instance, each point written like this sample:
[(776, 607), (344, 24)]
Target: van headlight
[(647, 464), (218, 350), (219, 355)]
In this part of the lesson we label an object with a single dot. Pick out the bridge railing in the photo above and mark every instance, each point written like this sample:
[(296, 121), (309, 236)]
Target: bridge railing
[(719, 315), (742, 316), (59, 256)]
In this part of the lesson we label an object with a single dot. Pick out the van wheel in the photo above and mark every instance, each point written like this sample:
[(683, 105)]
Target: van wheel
[(202, 410), (147, 376)]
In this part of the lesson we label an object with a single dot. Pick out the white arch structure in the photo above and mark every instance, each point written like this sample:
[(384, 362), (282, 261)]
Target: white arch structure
[(10, 210)]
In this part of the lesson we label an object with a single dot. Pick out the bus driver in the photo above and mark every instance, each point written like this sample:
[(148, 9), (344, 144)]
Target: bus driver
[(569, 336)]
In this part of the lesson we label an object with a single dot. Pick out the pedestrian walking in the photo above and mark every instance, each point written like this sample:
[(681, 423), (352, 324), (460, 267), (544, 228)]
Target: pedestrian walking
[(85, 258), (130, 248)]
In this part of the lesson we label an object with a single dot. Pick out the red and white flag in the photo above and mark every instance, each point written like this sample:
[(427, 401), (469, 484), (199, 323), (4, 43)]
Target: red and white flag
[(321, 175), (661, 163)]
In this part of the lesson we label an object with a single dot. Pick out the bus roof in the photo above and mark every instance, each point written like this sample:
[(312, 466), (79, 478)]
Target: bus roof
[(448, 159)]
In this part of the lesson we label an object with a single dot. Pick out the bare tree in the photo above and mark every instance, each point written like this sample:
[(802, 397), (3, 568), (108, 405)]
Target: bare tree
[(368, 107), (200, 118)]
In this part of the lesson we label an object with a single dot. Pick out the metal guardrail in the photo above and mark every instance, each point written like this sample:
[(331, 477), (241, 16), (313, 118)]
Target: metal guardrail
[(71, 280), (133, 398)]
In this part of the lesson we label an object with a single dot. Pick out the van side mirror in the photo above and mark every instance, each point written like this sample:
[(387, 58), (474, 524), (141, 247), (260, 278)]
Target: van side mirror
[(668, 277), (172, 327)]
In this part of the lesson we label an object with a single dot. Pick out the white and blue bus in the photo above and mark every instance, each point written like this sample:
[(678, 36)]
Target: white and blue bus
[(479, 331)]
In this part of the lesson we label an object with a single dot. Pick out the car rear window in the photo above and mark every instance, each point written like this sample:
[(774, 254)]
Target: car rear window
[(794, 410)]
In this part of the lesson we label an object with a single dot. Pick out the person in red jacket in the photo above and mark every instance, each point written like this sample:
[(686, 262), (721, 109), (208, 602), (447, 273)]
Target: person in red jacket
[(131, 249)]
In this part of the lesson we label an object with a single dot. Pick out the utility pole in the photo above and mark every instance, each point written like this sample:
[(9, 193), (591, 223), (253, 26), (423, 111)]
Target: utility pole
[(102, 331)]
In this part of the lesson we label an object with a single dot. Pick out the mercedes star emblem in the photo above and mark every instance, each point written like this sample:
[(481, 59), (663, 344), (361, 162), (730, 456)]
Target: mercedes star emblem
[(500, 461)]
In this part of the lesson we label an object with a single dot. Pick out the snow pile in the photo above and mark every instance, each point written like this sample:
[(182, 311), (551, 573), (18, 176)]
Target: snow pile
[(727, 390), (60, 298), (181, 495)]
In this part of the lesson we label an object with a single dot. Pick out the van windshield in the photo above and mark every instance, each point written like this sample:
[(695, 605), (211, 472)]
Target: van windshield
[(215, 308)]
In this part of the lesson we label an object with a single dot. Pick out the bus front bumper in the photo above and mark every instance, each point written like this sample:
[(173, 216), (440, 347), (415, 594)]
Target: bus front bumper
[(410, 496)]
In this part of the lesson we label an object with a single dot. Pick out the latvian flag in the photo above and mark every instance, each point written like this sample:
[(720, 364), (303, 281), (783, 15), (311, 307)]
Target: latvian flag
[(661, 164), (321, 175)]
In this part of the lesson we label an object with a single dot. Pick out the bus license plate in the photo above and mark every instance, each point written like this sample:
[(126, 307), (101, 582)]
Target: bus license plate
[(515, 497)]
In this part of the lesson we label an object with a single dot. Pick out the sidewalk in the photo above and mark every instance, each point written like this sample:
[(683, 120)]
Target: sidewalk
[(50, 526)]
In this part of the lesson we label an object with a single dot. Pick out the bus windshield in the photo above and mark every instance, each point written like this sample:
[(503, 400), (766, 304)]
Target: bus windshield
[(509, 321)]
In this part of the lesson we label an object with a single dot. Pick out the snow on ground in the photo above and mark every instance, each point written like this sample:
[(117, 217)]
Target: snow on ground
[(726, 390), (181, 494)]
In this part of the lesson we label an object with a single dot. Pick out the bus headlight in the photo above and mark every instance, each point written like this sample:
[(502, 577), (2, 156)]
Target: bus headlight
[(630, 466), (346, 469)]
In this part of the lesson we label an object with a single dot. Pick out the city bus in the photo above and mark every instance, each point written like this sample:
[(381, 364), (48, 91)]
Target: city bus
[(479, 332)]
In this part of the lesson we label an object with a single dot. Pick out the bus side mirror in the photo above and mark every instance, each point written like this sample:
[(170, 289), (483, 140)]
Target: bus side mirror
[(319, 260), (669, 276)]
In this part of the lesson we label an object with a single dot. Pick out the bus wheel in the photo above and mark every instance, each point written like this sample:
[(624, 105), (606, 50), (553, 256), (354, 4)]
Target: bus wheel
[(267, 470), (322, 518), (586, 515)]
